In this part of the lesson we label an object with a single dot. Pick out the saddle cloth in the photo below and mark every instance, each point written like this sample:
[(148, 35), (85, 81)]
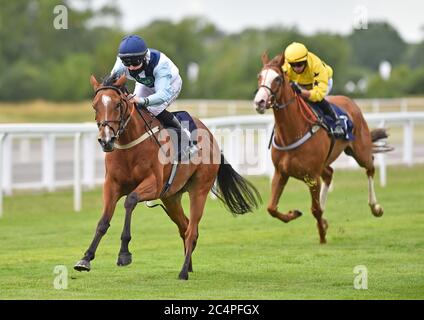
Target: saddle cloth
[(346, 123)]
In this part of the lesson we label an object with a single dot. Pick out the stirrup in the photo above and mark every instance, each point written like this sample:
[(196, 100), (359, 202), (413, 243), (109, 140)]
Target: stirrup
[(338, 132)]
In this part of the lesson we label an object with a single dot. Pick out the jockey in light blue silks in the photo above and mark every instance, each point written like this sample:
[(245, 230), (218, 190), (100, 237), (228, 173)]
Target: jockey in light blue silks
[(158, 82)]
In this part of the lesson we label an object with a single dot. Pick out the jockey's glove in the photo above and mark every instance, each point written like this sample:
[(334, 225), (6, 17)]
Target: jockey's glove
[(296, 88), (144, 102)]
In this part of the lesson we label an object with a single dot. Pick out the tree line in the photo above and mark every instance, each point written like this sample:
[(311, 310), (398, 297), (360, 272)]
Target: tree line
[(38, 61)]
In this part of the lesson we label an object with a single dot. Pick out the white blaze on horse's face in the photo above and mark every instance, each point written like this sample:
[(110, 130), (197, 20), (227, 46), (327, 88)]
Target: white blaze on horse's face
[(261, 100), (106, 100)]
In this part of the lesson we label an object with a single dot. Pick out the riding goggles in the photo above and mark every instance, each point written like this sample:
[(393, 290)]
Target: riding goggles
[(298, 64), (132, 61)]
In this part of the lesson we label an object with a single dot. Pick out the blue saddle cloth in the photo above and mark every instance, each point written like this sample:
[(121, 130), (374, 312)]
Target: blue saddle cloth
[(346, 123), (186, 120)]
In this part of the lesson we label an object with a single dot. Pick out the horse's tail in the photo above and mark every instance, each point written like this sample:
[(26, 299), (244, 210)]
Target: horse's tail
[(238, 194), (380, 146)]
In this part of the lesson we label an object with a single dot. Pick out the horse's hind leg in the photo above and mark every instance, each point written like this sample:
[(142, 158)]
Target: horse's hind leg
[(315, 188), (198, 193), (327, 177), (197, 205), (376, 209), (363, 156), (176, 212), (279, 181)]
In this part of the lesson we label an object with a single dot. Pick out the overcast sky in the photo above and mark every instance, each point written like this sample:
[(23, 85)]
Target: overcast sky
[(309, 16)]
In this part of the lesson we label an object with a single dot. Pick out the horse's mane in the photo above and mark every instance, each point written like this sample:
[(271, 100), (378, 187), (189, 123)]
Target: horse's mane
[(110, 80)]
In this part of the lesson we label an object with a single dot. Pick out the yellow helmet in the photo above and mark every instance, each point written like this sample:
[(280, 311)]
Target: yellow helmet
[(296, 52)]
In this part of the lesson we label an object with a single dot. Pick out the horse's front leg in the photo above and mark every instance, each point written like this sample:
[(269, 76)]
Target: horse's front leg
[(314, 185), (146, 190), (110, 197), (124, 256), (279, 181)]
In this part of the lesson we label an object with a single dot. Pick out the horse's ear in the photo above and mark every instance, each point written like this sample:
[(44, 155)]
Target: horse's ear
[(281, 59), (121, 81), (94, 82), (265, 58)]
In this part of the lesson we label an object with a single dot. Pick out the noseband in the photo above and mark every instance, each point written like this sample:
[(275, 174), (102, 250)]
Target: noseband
[(122, 120)]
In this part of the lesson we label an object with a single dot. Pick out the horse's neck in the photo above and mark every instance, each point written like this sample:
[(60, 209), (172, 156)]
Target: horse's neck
[(137, 127), (289, 123)]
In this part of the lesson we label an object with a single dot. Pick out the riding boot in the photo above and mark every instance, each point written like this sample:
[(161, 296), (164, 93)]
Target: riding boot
[(169, 120), (328, 110)]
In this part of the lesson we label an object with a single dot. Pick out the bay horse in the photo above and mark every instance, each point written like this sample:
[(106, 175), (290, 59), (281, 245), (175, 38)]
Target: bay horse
[(309, 150), (134, 170)]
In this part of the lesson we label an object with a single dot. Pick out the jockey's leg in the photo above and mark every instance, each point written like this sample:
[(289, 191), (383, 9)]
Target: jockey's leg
[(169, 120), (328, 110)]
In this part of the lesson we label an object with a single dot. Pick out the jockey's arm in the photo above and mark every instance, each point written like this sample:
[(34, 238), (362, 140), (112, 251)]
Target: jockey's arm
[(319, 84), (118, 68), (163, 86)]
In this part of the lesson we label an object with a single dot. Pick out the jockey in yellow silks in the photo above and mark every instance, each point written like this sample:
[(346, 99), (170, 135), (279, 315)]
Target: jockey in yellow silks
[(311, 78)]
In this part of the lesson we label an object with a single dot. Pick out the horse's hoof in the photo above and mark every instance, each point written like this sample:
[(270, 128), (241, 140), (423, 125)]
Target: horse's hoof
[(377, 210), (124, 259), (183, 275), (297, 213), (82, 265)]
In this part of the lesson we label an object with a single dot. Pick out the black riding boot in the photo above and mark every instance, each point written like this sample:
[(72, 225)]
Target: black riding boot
[(169, 120), (328, 110)]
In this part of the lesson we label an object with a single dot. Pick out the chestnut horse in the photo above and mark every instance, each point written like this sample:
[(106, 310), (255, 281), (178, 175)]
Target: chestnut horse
[(310, 150), (134, 170)]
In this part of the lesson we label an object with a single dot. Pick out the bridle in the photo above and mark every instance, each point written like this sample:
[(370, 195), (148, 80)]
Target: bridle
[(124, 115), (273, 94)]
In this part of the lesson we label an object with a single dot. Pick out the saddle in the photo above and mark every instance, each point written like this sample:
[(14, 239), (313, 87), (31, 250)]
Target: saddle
[(328, 123)]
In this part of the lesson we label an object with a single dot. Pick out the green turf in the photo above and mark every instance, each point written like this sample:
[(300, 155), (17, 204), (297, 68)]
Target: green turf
[(246, 257)]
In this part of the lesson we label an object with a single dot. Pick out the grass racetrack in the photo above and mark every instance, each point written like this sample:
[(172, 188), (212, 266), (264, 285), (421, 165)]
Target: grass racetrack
[(246, 257)]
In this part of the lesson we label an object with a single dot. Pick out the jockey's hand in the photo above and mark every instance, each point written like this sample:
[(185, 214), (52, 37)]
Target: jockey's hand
[(142, 102), (134, 98), (296, 88), (305, 93)]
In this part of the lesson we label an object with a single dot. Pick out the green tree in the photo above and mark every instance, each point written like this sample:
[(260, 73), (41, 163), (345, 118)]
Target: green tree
[(379, 42)]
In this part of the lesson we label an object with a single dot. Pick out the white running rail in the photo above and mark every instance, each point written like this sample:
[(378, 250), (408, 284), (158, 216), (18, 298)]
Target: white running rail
[(244, 140)]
